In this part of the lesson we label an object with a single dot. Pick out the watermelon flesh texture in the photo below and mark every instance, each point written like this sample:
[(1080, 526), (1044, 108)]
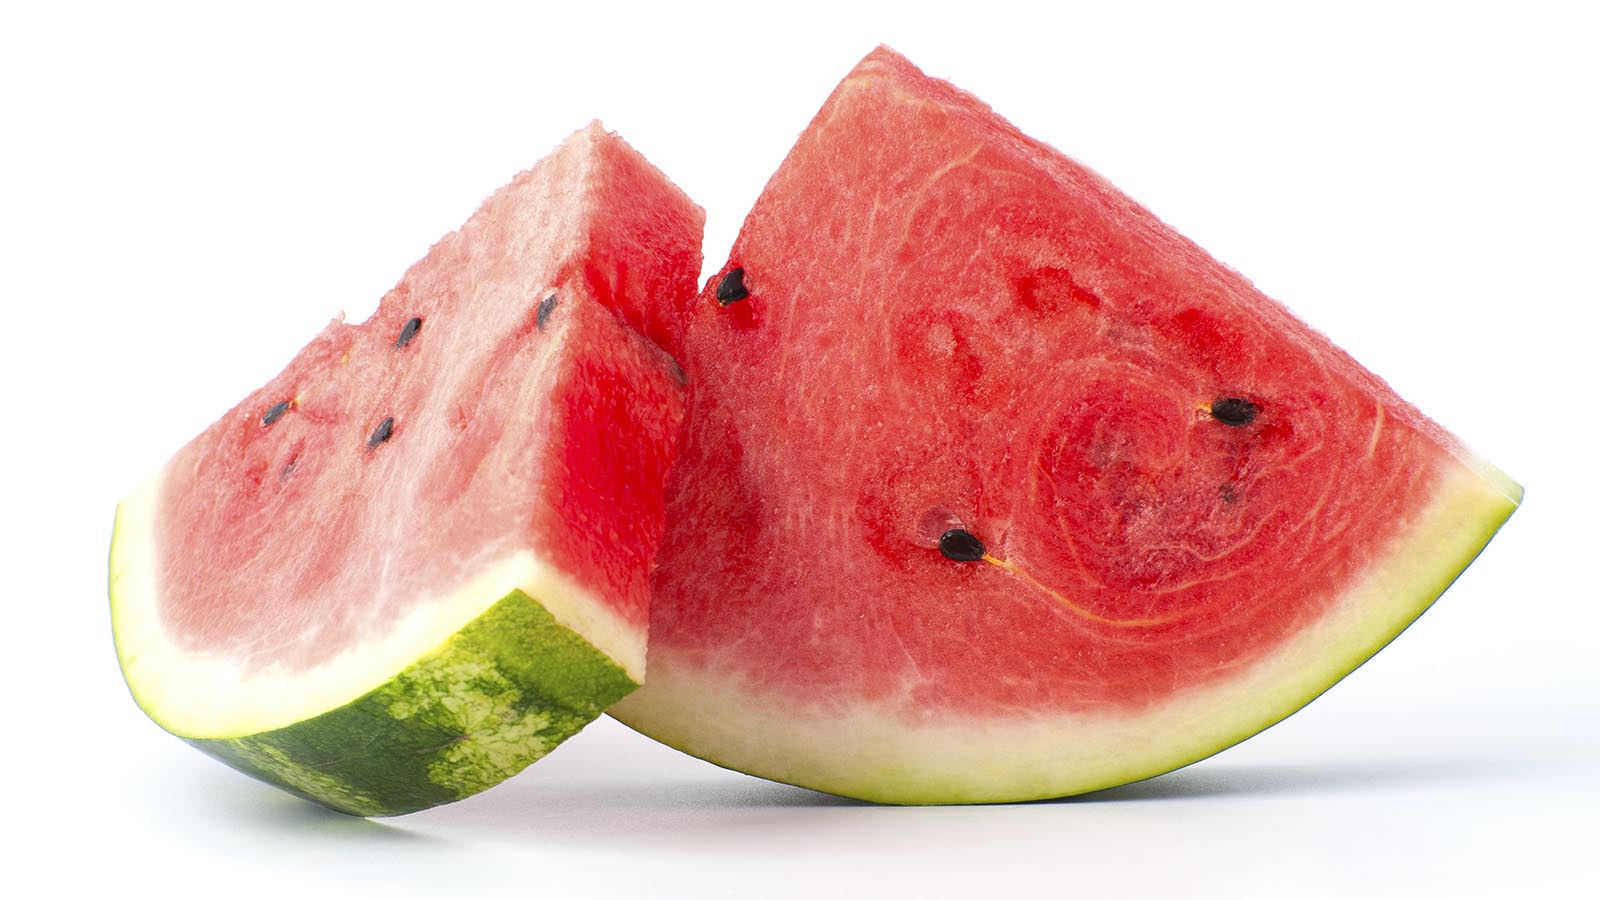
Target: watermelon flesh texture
[(418, 558), (1195, 512)]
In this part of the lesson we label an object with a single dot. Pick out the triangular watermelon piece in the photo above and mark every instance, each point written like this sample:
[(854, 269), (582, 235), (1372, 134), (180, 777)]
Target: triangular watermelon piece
[(994, 487), (418, 558)]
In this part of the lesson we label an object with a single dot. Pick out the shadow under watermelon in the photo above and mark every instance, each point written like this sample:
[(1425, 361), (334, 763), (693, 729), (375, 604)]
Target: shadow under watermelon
[(1260, 780)]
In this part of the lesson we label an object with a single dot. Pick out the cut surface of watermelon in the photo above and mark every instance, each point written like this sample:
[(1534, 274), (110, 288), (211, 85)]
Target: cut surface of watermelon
[(418, 558), (993, 487)]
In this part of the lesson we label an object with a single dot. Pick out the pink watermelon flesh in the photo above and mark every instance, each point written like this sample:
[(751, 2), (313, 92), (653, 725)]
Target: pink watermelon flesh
[(521, 416), (944, 325), (496, 414)]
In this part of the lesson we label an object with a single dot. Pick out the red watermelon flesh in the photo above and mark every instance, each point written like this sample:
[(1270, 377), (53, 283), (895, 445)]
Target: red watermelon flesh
[(1195, 513), (504, 435), (496, 433)]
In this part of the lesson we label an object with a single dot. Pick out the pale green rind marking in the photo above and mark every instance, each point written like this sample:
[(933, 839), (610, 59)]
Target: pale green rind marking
[(489, 701)]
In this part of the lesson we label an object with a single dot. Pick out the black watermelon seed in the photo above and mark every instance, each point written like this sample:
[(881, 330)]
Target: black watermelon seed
[(1234, 411), (408, 331), (732, 288), (275, 412), (381, 433), (542, 314), (961, 546)]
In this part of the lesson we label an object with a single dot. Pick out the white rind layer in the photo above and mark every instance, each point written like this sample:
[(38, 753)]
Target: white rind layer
[(199, 694), (876, 753)]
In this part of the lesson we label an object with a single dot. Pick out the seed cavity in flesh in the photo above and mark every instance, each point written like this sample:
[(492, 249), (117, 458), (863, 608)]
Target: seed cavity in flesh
[(1234, 411), (961, 545), (541, 315), (275, 412), (732, 289), (381, 433), (408, 331)]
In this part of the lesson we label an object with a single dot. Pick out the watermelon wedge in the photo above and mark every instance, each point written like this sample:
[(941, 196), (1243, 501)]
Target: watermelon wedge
[(418, 558), (993, 487)]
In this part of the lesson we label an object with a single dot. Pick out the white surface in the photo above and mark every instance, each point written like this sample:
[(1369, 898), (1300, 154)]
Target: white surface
[(188, 194)]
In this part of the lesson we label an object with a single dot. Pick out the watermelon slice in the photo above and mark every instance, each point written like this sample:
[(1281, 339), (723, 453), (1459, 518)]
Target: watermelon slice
[(995, 488), (418, 558)]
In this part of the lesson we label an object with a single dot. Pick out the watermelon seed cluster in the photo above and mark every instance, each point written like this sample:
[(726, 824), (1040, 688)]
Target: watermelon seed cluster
[(1234, 411), (732, 289), (385, 429)]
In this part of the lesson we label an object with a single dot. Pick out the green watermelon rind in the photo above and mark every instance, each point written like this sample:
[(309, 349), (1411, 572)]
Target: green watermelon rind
[(912, 757), (489, 699), (494, 698)]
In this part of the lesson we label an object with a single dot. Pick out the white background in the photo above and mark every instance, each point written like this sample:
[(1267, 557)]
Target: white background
[(187, 195)]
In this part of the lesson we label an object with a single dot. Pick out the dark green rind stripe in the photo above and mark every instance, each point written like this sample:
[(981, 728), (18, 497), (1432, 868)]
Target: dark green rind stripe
[(490, 700)]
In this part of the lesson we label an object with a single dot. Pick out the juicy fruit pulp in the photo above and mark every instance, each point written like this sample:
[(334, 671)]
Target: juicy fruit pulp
[(1186, 513), (418, 558)]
